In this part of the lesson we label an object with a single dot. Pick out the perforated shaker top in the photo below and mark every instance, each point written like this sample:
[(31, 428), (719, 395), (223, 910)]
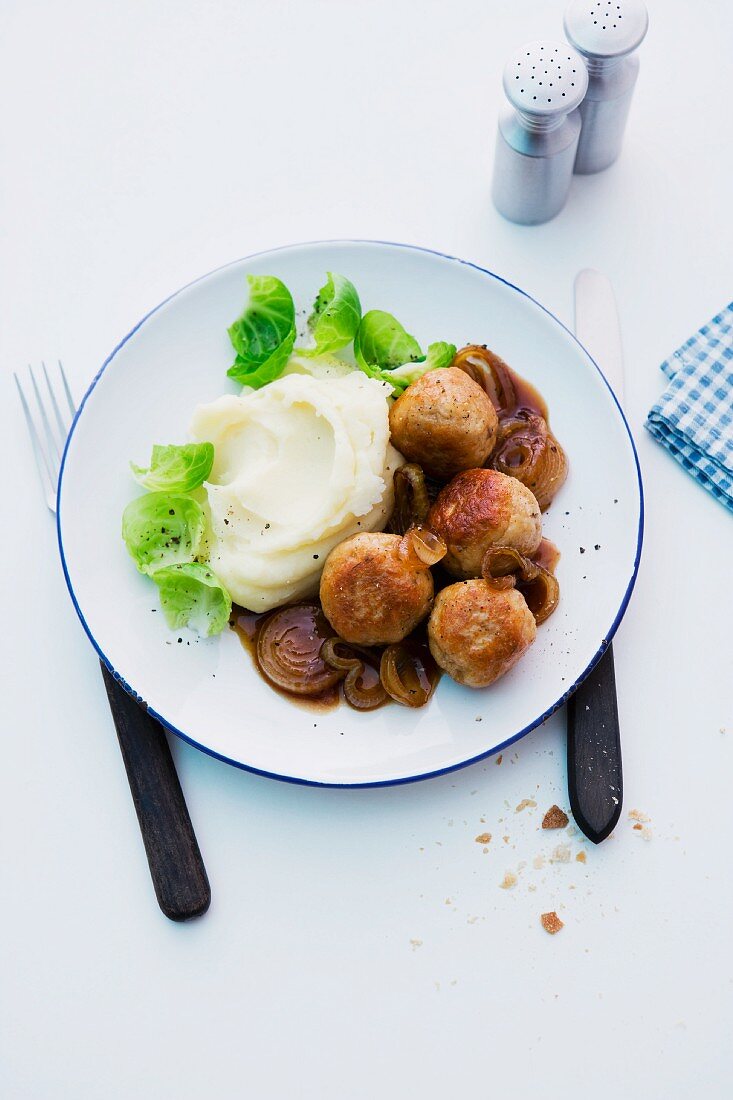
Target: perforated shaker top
[(606, 28), (545, 78)]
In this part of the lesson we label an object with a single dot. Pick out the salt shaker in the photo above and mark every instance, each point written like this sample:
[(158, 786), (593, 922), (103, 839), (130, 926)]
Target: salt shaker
[(605, 32), (538, 135)]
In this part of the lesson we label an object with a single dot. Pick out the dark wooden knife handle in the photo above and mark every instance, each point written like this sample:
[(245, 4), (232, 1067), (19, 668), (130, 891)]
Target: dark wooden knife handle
[(595, 777), (177, 869)]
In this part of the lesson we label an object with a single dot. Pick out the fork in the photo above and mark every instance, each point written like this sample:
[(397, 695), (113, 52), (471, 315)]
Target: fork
[(176, 867)]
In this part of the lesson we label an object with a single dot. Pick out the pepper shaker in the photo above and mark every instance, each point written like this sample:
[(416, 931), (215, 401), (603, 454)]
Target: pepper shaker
[(605, 32), (538, 135)]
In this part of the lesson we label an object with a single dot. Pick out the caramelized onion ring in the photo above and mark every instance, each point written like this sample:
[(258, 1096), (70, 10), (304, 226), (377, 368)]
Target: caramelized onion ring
[(288, 650), (527, 449), (538, 586), (356, 692), (490, 372), (420, 542), (542, 594), (408, 673), (411, 498)]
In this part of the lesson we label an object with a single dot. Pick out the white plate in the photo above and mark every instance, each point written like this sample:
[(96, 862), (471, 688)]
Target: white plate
[(207, 691)]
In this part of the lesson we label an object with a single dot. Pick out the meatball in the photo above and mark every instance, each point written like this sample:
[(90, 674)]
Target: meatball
[(445, 422), (483, 508), (372, 591), (477, 632)]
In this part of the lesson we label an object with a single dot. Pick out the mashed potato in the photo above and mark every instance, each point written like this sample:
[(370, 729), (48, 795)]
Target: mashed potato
[(299, 466)]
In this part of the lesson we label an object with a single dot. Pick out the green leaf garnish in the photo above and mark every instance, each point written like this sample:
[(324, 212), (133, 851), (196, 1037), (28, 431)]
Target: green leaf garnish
[(176, 469), (192, 595), (264, 335), (336, 315), (162, 529), (439, 354), (381, 343)]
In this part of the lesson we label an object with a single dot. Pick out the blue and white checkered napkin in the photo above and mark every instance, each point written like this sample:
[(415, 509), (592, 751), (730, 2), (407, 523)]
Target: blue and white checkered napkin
[(694, 417)]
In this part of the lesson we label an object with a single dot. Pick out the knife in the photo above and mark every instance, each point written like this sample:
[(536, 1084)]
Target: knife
[(595, 777)]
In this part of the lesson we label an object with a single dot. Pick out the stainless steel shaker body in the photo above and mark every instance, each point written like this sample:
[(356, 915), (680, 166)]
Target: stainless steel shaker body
[(538, 135), (605, 32)]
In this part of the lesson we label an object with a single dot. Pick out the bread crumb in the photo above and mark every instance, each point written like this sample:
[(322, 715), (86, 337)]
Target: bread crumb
[(581, 857), (448, 901), (638, 826), (532, 887), (483, 838), (538, 862), (471, 920), (523, 805), (561, 854), (499, 758), (555, 818), (646, 834), (415, 944), (505, 839), (551, 922), (509, 880), (637, 815)]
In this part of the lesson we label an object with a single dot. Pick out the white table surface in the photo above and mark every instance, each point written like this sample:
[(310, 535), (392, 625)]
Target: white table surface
[(358, 944)]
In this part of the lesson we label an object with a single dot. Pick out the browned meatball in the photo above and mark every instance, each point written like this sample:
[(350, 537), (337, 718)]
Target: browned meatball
[(373, 593), (477, 632), (445, 422), (483, 508)]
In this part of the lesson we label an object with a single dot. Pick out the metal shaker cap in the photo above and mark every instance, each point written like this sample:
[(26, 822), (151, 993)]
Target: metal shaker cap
[(545, 78), (606, 28)]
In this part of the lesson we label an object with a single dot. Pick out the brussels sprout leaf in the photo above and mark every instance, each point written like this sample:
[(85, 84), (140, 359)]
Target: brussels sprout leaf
[(336, 315), (161, 529), (176, 469), (191, 595), (264, 335)]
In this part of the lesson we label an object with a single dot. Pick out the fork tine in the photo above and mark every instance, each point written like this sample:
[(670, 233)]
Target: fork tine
[(52, 444), (63, 429), (69, 398), (48, 480)]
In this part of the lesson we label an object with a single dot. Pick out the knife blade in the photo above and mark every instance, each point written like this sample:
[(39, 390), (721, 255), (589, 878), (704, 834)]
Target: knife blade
[(595, 775)]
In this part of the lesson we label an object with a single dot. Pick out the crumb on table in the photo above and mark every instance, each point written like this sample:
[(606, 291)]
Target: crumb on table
[(581, 857), (509, 880), (524, 804), (483, 838), (561, 854), (551, 922), (637, 815), (555, 818)]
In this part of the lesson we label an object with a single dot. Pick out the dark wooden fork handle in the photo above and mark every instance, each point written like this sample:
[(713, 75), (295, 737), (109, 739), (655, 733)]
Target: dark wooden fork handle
[(177, 869), (595, 777)]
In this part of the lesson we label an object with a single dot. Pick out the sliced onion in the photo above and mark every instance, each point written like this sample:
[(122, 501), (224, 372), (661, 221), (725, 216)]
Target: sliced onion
[(409, 673), (358, 691), (501, 561), (538, 586), (542, 594), (527, 449), (411, 498), (491, 373), (288, 650), (421, 542)]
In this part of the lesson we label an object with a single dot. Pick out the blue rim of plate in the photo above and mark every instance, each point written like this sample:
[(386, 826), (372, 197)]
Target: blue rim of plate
[(380, 782)]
